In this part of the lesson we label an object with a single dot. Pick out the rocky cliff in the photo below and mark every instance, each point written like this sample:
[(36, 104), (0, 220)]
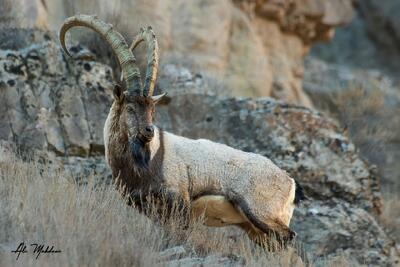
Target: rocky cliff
[(370, 41), (256, 47), (355, 78), (57, 105)]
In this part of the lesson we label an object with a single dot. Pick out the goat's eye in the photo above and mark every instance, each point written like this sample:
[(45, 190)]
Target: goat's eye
[(130, 109)]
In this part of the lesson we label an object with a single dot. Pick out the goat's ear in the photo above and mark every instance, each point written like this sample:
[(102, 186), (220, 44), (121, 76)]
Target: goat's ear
[(158, 98), (118, 93)]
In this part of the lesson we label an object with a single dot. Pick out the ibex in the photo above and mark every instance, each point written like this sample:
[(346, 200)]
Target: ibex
[(225, 185)]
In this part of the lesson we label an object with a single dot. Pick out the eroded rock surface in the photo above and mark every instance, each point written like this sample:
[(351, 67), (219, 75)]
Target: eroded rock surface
[(366, 102), (47, 103), (256, 47)]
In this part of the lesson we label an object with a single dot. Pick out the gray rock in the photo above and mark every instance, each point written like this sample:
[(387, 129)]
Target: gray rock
[(212, 261), (337, 228), (48, 102), (365, 101), (313, 149), (370, 41)]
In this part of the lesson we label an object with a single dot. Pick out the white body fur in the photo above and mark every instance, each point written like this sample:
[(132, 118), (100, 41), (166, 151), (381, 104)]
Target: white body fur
[(191, 167)]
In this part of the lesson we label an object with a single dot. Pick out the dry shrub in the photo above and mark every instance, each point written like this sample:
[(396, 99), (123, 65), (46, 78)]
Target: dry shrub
[(6, 15), (362, 111), (93, 226), (369, 115), (90, 224)]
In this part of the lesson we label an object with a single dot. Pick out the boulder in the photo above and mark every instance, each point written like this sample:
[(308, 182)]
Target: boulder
[(344, 190)]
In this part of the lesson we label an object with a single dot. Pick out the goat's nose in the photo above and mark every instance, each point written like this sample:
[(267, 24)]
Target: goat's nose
[(149, 130)]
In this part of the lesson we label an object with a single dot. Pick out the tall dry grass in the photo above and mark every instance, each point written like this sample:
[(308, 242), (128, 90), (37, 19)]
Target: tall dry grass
[(391, 216), (92, 226)]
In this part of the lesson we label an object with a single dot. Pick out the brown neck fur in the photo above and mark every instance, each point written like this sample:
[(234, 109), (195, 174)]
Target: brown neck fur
[(141, 185), (135, 178)]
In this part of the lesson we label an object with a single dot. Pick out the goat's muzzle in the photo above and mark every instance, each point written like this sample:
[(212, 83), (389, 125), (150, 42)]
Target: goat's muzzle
[(146, 134)]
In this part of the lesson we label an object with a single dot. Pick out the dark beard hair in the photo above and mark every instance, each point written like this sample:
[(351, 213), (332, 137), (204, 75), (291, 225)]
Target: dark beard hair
[(141, 152)]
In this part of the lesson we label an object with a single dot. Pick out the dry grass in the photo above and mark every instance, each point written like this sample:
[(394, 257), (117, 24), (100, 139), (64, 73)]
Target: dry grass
[(93, 226), (362, 110), (6, 16), (370, 117), (391, 216), (91, 223)]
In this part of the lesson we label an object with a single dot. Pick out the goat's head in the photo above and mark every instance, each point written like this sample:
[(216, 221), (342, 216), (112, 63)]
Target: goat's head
[(136, 114), (135, 101)]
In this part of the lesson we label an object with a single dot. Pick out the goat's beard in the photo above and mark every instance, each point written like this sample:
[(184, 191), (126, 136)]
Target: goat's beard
[(140, 150)]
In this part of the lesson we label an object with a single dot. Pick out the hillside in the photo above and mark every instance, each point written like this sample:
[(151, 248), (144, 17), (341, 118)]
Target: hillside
[(253, 75)]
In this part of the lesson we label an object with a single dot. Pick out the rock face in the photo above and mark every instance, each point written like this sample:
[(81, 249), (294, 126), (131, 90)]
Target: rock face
[(44, 100), (370, 41), (56, 105), (312, 21), (382, 23), (366, 102), (256, 47), (355, 78), (320, 154)]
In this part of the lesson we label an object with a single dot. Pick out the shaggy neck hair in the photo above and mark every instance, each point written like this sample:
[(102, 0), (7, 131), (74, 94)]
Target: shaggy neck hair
[(134, 165), (137, 170), (140, 154), (135, 153)]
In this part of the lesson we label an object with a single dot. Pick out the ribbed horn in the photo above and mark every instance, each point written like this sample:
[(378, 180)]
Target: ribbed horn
[(152, 58), (118, 44)]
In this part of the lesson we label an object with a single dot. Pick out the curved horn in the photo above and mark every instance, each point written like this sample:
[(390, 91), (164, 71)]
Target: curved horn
[(118, 44), (152, 58)]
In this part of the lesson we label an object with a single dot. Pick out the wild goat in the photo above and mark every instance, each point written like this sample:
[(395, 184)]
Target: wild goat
[(225, 185)]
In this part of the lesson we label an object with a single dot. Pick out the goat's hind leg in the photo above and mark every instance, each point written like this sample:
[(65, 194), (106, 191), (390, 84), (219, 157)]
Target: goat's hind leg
[(216, 210), (266, 241), (283, 233), (277, 236)]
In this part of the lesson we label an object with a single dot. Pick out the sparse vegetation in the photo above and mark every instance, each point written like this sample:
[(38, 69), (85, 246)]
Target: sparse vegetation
[(6, 18), (372, 126), (362, 110), (93, 226), (88, 220), (391, 215)]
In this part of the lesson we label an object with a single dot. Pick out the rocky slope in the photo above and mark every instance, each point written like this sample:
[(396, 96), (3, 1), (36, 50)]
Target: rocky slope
[(53, 104), (355, 77), (366, 103)]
